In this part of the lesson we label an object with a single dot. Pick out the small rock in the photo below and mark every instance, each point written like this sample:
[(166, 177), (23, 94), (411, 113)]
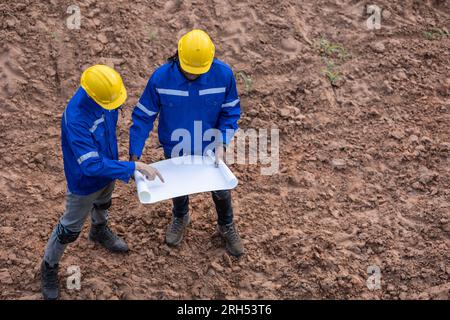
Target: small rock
[(227, 260), (446, 227), (402, 75), (39, 158), (245, 284), (10, 23), (387, 87), (426, 140), (6, 230), (97, 22), (413, 139), (7, 160), (289, 44), (444, 146), (216, 266), (102, 38), (417, 186), (403, 296), (285, 112), (97, 47), (378, 47), (310, 205), (5, 277), (338, 164), (397, 134), (426, 175)]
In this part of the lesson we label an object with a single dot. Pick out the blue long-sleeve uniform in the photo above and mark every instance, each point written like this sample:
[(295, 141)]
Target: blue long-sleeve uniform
[(89, 146), (212, 99)]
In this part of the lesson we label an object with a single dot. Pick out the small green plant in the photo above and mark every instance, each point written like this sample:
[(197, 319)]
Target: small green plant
[(331, 50), (53, 34), (331, 71), (436, 34), (152, 34), (246, 79)]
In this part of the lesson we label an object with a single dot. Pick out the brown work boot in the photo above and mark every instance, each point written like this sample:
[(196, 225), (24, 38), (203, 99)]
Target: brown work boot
[(175, 230), (232, 239), (103, 235)]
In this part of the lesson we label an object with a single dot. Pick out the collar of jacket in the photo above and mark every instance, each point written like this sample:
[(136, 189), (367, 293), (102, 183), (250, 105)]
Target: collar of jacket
[(181, 79), (91, 106)]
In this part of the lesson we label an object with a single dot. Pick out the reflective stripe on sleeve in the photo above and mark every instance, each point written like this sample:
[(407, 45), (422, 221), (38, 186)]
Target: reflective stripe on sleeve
[(86, 156), (145, 110), (231, 104)]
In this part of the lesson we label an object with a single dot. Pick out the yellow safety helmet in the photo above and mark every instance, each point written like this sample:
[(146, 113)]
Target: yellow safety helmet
[(104, 85), (196, 52)]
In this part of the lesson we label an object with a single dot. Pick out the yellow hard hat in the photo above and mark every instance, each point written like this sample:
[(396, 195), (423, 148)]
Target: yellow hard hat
[(104, 85), (196, 52)]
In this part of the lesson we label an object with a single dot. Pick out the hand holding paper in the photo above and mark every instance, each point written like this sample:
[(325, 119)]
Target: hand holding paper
[(148, 171)]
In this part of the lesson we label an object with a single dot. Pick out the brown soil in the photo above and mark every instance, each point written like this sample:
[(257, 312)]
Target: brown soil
[(364, 163)]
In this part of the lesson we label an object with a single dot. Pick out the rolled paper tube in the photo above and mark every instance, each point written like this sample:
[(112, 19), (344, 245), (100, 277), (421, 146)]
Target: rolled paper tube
[(226, 172), (142, 187), (228, 175)]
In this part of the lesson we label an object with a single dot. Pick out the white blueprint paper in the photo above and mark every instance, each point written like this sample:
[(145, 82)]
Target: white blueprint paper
[(183, 176)]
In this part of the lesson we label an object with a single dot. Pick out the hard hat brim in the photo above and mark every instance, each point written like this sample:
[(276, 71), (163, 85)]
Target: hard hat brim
[(116, 103), (194, 70)]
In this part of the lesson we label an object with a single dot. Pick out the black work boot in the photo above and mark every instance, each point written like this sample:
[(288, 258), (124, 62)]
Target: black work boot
[(175, 230), (49, 281), (103, 235), (232, 239)]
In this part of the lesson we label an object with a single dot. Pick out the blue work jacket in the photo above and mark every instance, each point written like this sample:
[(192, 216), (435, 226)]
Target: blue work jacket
[(89, 146), (209, 102)]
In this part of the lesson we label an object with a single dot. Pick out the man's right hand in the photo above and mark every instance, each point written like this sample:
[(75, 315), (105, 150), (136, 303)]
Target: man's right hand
[(148, 171)]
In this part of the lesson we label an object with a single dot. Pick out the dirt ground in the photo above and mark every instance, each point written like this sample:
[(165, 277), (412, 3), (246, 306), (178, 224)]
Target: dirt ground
[(364, 149)]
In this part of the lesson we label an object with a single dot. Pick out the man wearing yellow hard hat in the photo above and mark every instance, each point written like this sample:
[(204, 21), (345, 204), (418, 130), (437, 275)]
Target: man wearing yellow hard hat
[(195, 93), (91, 165)]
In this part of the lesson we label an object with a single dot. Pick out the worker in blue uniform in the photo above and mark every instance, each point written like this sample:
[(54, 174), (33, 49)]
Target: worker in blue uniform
[(91, 165), (193, 92)]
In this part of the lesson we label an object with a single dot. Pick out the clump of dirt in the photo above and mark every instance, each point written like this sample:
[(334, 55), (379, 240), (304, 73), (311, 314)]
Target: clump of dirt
[(364, 149)]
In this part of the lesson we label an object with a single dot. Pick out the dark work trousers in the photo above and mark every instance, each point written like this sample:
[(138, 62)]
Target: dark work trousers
[(222, 201)]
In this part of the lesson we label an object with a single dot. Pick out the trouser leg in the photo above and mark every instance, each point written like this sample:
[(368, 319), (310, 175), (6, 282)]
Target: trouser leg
[(224, 208), (99, 213), (180, 206), (69, 226)]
